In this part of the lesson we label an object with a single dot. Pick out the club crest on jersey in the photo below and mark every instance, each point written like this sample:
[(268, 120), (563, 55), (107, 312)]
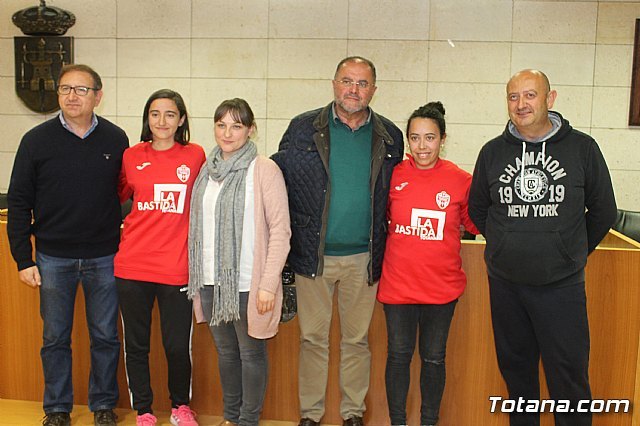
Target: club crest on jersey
[(443, 199), (183, 173), (532, 186)]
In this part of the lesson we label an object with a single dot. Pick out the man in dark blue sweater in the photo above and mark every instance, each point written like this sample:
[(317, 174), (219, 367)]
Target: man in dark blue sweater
[(63, 190)]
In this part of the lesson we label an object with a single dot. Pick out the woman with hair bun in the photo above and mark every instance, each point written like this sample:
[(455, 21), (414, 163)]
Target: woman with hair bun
[(422, 274)]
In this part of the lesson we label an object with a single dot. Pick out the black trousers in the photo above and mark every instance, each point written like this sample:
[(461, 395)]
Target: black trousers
[(548, 322), (136, 300)]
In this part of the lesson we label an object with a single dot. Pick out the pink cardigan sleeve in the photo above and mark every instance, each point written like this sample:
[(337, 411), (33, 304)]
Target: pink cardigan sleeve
[(275, 208), (272, 234)]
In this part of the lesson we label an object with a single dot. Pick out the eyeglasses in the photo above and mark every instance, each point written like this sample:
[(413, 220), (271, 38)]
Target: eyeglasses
[(362, 84), (79, 90)]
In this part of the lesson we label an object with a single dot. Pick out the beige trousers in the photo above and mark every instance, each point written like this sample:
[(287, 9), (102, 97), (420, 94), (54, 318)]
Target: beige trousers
[(356, 299)]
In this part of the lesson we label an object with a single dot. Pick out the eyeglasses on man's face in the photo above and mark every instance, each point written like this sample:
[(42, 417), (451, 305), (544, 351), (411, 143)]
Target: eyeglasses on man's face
[(345, 82), (79, 90)]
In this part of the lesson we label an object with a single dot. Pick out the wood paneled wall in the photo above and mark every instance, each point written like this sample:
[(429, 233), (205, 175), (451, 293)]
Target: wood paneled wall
[(613, 275)]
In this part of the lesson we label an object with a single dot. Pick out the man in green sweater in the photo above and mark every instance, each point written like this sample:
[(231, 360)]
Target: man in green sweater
[(63, 190), (337, 163)]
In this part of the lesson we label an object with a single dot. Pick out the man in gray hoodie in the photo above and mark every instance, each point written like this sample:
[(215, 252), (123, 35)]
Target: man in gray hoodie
[(542, 196)]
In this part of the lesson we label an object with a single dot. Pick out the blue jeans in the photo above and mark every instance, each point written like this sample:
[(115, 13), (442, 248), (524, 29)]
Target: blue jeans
[(243, 364), (432, 323), (60, 277)]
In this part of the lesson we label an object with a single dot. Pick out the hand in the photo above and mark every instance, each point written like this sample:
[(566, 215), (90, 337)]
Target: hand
[(265, 301), (30, 276)]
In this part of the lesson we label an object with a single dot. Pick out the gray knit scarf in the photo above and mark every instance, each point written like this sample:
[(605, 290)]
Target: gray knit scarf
[(229, 214)]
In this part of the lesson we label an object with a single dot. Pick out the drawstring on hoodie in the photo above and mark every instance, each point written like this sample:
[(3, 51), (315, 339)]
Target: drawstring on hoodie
[(524, 151), (556, 124)]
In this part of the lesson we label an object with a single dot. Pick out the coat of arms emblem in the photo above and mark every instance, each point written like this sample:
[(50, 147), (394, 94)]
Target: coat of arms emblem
[(38, 59), (443, 199), (183, 173)]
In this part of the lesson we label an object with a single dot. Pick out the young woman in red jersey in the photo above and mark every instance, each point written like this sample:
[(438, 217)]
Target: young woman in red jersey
[(152, 261), (422, 274)]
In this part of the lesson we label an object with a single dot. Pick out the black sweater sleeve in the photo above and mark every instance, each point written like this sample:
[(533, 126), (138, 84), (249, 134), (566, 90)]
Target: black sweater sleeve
[(599, 198), (21, 198), (479, 196)]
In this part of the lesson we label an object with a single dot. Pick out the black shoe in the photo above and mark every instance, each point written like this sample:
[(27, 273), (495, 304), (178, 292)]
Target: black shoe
[(353, 421), (308, 422), (57, 419), (104, 418)]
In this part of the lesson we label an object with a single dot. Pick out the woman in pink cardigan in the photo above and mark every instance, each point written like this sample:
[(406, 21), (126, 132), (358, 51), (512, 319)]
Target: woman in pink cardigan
[(238, 243)]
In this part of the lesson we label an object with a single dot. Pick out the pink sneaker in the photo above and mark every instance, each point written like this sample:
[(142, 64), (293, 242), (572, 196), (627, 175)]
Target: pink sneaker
[(146, 420), (183, 416)]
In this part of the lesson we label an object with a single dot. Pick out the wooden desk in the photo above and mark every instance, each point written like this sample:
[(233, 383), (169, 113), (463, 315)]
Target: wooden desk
[(613, 275)]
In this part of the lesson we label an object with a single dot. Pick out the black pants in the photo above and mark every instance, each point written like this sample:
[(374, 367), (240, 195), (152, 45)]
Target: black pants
[(432, 323), (136, 304), (530, 322)]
